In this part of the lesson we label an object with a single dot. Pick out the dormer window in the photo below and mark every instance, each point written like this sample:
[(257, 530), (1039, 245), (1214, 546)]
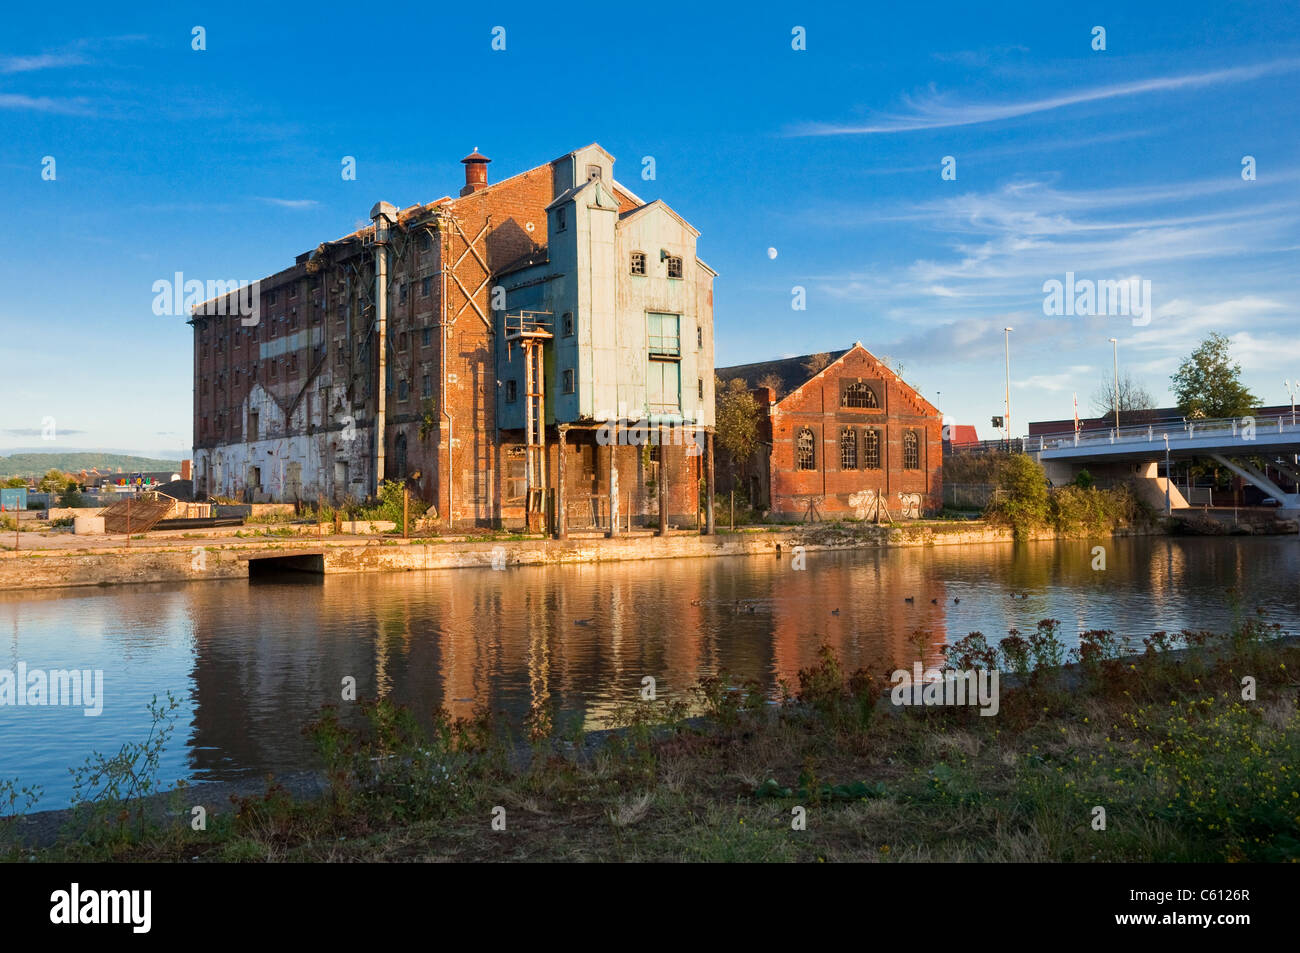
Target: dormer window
[(674, 266), (593, 172), (638, 263)]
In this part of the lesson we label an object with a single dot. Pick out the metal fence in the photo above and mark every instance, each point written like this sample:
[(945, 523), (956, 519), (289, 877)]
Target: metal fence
[(968, 496)]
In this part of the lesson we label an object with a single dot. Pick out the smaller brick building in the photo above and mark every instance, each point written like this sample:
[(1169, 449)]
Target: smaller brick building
[(849, 440)]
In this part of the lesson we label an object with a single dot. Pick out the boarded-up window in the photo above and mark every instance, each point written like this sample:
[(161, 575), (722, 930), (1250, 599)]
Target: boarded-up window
[(911, 451), (516, 481), (664, 334), (664, 387), (805, 452)]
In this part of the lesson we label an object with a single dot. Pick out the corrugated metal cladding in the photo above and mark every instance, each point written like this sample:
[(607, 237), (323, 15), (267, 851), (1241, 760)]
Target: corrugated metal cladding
[(288, 409), (13, 497)]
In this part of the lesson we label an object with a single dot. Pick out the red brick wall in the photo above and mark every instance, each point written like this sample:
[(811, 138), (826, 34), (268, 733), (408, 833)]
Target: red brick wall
[(508, 208), (817, 406)]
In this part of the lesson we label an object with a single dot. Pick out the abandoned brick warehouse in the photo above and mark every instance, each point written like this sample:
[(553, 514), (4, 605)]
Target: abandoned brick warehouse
[(840, 434), (524, 323)]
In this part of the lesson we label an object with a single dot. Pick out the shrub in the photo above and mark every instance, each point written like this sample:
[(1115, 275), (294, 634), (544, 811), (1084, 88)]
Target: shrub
[(1022, 501)]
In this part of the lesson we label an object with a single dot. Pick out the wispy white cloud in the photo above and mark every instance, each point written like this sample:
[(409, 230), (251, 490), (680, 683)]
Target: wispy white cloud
[(980, 57), (290, 203), (932, 111), (29, 64), (71, 107)]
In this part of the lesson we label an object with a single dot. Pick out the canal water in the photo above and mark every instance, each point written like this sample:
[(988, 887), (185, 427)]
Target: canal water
[(253, 662)]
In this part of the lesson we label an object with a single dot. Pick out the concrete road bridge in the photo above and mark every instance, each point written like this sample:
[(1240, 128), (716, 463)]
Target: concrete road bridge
[(1139, 450)]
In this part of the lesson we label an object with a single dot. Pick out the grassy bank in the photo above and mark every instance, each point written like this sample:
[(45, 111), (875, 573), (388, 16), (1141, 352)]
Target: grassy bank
[(1185, 768)]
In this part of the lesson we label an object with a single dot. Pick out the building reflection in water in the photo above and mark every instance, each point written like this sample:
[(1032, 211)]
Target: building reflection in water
[(578, 640)]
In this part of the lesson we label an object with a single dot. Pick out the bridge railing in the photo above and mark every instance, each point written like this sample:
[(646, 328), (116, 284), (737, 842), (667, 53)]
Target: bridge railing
[(1210, 429)]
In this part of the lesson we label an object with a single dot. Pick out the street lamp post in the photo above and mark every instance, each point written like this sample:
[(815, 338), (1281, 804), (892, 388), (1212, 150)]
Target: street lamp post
[(1115, 342), (1168, 506), (1290, 390), (1006, 422)]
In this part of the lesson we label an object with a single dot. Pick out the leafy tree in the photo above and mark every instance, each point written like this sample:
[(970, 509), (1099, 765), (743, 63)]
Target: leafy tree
[(736, 421), (14, 481), (1134, 400), (1208, 382), (71, 495), (53, 481)]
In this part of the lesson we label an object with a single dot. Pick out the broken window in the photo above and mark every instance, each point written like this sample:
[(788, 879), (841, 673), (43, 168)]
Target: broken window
[(638, 263), (511, 391), (858, 394), (805, 450), (848, 449), (567, 323), (871, 449), (593, 172), (674, 266), (911, 451), (403, 390), (568, 381), (561, 219)]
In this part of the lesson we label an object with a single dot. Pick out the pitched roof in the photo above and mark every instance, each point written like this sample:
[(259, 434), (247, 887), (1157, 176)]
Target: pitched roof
[(790, 371), (793, 375)]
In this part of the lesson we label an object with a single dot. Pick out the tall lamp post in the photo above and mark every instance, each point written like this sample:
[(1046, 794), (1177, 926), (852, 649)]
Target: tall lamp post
[(1115, 342), (1290, 390), (1168, 507), (1006, 422)]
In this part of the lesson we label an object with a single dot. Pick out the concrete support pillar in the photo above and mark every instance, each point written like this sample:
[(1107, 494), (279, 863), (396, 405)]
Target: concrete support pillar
[(663, 484), (562, 510), (613, 482), (708, 501)]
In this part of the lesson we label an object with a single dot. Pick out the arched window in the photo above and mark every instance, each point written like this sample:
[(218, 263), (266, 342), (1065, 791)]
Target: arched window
[(848, 449), (911, 451), (871, 449), (805, 456), (858, 394)]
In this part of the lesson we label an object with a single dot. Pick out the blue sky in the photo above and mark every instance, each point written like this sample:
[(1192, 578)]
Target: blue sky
[(225, 163)]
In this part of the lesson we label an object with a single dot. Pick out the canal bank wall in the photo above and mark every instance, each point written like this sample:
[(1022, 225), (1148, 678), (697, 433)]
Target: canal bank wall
[(185, 560)]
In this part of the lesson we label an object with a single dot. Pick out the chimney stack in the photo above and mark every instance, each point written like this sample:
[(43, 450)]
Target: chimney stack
[(475, 172)]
